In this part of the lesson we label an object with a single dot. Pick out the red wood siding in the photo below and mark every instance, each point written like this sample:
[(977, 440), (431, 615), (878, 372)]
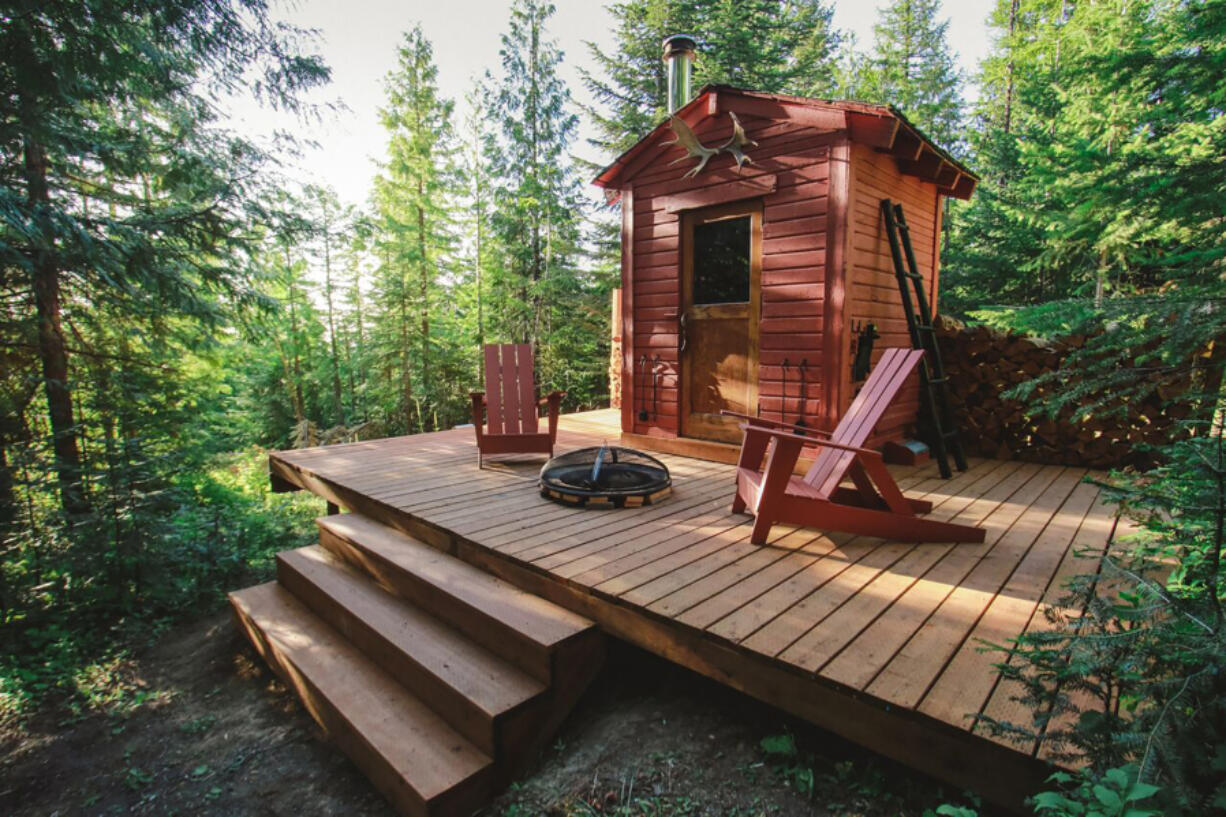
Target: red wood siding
[(873, 289), (793, 264), (796, 220)]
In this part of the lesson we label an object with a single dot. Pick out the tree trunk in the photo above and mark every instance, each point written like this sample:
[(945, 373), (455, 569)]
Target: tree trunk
[(406, 380), (338, 405), (480, 301), (52, 352), (424, 284), (478, 204), (299, 400), (8, 494), (533, 114), (288, 373), (359, 345), (1008, 125)]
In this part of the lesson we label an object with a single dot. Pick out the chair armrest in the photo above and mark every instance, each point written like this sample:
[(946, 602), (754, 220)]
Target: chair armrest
[(477, 395), (748, 429), (552, 395), (775, 423), (780, 460)]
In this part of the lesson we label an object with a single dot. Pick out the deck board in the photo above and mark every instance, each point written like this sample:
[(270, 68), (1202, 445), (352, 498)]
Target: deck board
[(968, 674), (898, 626), (730, 587), (927, 602), (751, 617), (581, 553), (785, 630), (1097, 525)]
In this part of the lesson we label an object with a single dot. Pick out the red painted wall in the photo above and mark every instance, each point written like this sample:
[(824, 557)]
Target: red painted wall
[(793, 269), (795, 224), (873, 287)]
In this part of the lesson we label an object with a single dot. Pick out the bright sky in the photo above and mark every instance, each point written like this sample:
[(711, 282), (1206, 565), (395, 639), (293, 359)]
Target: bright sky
[(359, 40)]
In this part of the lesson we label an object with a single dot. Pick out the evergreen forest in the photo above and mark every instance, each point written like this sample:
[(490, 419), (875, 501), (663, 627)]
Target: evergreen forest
[(173, 304)]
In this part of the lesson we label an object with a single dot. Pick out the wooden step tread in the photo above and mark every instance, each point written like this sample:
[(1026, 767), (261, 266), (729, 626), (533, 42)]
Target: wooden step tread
[(409, 752), (486, 681), (542, 621)]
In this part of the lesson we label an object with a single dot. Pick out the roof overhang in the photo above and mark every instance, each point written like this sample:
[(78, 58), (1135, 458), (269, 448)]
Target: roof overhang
[(882, 127)]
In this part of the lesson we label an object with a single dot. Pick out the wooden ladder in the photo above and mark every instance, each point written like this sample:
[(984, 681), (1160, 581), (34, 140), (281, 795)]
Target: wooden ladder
[(933, 380)]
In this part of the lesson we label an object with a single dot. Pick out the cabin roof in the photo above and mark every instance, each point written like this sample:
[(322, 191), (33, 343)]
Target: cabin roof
[(884, 127)]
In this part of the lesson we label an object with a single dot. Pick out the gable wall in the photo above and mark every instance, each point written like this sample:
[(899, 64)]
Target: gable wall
[(873, 288)]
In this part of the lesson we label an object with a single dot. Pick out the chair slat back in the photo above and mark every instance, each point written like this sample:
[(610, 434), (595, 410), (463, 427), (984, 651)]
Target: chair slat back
[(510, 393), (862, 417), (527, 389), (493, 388)]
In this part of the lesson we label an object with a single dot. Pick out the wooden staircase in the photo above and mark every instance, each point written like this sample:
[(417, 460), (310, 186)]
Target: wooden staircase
[(438, 680)]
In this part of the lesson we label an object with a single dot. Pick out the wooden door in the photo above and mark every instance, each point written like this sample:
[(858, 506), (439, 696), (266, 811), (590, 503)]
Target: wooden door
[(721, 299)]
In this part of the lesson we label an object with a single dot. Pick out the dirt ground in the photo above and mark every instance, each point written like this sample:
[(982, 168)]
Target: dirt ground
[(214, 732)]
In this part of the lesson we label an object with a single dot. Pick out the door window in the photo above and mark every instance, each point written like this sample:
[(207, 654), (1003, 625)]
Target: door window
[(721, 261)]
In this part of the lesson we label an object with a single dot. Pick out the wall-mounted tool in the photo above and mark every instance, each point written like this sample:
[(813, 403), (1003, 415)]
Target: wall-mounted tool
[(800, 408), (862, 363), (641, 390), (655, 388), (783, 403)]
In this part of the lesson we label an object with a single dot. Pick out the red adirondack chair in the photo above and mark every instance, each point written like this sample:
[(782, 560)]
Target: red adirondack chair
[(874, 507), (510, 397)]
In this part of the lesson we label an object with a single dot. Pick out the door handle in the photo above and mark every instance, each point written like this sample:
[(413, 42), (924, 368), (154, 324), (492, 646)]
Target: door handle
[(684, 334)]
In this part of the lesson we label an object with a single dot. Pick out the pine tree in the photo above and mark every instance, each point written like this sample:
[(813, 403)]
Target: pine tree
[(783, 46), (537, 206), (412, 208), (116, 180), (328, 228), (1122, 135), (287, 259), (1001, 249), (764, 45), (356, 252), (912, 68), (478, 196)]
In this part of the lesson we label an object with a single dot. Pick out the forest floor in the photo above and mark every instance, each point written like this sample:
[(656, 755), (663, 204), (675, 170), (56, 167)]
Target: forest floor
[(196, 724)]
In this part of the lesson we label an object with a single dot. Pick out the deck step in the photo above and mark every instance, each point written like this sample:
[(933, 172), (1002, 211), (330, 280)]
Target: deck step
[(410, 753), (524, 629), (477, 692), (438, 679)]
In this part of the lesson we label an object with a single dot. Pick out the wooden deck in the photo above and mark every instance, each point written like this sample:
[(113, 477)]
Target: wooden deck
[(875, 640)]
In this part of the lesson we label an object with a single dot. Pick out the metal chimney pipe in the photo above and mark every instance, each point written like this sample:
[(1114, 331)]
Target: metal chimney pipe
[(679, 53)]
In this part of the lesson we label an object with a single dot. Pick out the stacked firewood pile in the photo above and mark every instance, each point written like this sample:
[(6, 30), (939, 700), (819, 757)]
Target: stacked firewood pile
[(984, 363)]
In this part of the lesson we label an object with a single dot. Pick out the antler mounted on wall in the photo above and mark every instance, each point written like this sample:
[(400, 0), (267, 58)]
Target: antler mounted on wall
[(697, 150)]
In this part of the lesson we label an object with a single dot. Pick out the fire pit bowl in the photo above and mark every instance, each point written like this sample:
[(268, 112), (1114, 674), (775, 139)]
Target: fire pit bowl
[(606, 476)]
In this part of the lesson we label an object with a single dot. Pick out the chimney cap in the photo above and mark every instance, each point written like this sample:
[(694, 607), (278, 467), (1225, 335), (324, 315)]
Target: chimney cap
[(679, 44)]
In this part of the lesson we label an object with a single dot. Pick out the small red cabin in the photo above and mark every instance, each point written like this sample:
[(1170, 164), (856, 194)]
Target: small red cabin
[(746, 287)]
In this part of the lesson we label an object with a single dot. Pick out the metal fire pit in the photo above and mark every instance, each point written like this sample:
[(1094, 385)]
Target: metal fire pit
[(606, 476)]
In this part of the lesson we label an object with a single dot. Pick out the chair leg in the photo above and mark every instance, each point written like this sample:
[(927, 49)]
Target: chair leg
[(738, 504), (761, 530)]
